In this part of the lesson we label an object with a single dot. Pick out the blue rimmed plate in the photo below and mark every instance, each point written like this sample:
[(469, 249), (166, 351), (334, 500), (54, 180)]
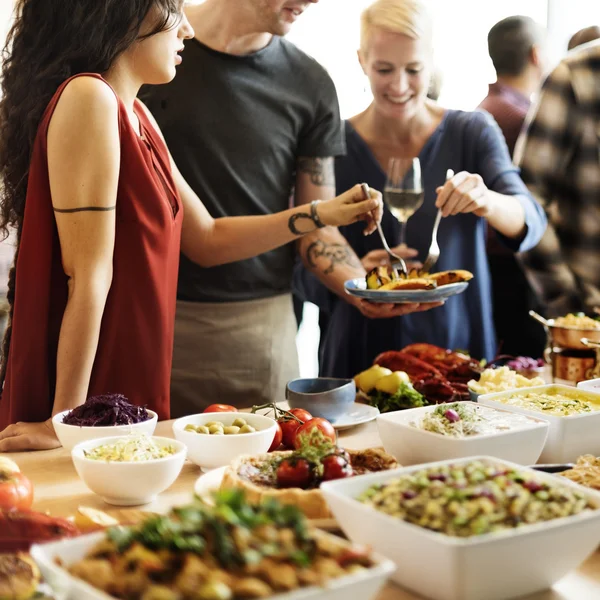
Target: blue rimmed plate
[(358, 287)]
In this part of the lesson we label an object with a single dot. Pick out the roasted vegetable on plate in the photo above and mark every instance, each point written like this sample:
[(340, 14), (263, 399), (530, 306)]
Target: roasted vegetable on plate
[(385, 279)]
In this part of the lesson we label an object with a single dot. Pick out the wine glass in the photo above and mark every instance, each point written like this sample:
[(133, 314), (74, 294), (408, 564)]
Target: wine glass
[(403, 191)]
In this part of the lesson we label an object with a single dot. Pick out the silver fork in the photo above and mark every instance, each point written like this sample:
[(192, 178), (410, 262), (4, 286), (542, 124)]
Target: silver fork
[(434, 249), (395, 260)]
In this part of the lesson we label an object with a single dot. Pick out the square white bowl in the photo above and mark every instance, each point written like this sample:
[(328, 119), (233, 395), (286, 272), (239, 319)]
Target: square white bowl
[(411, 445), (363, 585), (214, 451), (494, 566), (568, 437), (128, 483), (70, 435), (592, 385)]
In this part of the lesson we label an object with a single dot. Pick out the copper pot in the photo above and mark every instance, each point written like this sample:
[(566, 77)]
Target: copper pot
[(567, 337)]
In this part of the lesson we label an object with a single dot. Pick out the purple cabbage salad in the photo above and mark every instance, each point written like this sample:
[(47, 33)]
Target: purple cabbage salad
[(106, 410)]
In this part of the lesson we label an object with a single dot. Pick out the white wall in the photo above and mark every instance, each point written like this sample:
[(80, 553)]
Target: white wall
[(6, 8)]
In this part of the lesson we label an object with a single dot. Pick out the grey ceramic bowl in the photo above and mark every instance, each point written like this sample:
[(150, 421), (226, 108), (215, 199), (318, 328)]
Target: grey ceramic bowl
[(326, 397)]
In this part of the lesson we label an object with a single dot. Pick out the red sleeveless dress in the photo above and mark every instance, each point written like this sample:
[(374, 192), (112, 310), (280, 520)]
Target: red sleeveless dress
[(136, 337)]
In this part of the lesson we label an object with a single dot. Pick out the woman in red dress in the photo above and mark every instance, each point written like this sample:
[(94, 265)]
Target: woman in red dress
[(98, 207)]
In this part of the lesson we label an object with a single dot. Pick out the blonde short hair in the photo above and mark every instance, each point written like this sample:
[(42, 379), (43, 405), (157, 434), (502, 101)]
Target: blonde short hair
[(409, 17)]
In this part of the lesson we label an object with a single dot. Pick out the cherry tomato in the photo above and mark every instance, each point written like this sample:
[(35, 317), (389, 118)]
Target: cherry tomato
[(323, 425), (294, 472), (277, 439), (220, 408), (301, 414), (16, 491), (288, 431), (335, 467)]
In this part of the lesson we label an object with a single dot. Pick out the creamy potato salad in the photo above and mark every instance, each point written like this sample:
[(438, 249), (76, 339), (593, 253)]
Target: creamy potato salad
[(553, 402), (461, 420), (501, 380)]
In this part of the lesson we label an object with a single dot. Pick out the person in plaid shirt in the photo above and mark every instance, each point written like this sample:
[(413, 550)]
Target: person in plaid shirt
[(559, 157)]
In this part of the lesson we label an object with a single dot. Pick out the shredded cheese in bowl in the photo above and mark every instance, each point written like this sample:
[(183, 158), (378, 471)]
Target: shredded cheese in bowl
[(134, 448), (502, 379), (577, 321)]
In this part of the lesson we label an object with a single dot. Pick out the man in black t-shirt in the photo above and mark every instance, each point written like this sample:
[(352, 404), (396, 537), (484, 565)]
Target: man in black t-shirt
[(253, 124)]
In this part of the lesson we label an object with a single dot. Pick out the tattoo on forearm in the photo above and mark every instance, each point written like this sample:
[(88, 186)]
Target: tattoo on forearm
[(336, 254), (295, 218), (84, 209), (320, 170)]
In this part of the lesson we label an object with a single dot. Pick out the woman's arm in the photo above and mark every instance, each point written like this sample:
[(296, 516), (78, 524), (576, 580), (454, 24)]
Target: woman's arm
[(467, 192), (211, 242), (83, 165), (495, 191)]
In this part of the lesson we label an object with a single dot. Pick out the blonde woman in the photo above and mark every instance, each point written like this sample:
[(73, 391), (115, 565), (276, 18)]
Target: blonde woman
[(396, 53)]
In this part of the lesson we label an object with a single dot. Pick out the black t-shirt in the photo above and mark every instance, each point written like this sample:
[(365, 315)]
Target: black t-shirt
[(235, 126)]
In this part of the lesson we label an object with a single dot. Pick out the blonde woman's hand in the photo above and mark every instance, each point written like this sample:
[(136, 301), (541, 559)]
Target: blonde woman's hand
[(377, 258), (28, 436), (350, 207), (463, 193), (381, 310)]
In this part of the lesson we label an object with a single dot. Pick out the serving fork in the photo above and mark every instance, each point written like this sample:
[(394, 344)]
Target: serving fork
[(434, 249), (397, 262)]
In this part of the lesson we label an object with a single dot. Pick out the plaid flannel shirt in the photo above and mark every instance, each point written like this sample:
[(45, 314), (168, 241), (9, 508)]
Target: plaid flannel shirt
[(559, 157)]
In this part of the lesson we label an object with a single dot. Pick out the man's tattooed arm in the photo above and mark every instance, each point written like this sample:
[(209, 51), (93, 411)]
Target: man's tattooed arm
[(325, 252), (320, 170), (330, 255), (297, 222)]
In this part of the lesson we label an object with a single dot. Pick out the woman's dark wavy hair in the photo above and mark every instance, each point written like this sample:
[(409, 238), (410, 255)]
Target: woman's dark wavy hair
[(50, 41)]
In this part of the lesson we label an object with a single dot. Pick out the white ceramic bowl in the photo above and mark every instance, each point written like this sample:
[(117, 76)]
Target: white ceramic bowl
[(568, 437), (592, 385), (214, 451), (363, 585), (128, 483), (494, 566), (70, 435), (412, 446)]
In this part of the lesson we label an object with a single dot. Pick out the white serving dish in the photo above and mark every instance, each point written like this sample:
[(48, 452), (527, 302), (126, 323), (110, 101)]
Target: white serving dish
[(214, 451), (592, 385), (411, 446), (70, 435), (494, 566), (128, 483), (363, 585), (568, 437)]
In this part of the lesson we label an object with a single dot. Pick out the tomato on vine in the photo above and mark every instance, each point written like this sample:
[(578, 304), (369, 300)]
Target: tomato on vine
[(294, 472), (322, 425)]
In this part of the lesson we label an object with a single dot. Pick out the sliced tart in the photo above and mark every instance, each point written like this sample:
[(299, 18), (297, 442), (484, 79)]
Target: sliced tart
[(264, 476)]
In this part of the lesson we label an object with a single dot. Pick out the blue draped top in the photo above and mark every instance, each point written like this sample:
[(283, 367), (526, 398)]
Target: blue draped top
[(463, 141)]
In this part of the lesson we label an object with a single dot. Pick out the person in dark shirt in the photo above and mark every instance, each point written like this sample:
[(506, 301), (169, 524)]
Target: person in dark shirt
[(517, 48), (253, 124)]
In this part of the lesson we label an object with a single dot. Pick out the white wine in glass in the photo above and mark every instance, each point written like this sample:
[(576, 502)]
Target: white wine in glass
[(403, 191)]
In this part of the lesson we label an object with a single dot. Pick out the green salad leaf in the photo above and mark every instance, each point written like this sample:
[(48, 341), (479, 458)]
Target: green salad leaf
[(405, 397)]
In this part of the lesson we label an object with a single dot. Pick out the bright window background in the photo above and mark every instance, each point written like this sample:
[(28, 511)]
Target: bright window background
[(330, 32)]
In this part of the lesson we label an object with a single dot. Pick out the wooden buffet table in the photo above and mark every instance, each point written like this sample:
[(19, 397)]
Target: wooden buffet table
[(59, 491)]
